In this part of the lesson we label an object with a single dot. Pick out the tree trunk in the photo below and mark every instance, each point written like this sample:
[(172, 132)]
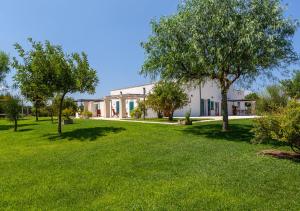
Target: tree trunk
[(171, 116), (36, 113), (60, 113), (16, 124), (52, 117), (224, 109)]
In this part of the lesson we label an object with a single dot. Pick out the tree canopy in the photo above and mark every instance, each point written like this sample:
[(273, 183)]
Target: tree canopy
[(166, 97), (56, 72), (220, 40), (4, 65), (32, 75), (292, 86), (12, 109)]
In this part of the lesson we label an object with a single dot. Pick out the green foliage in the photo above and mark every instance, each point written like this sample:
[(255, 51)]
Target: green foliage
[(4, 65), (13, 109), (282, 125), (164, 167), (272, 99), (292, 86), (220, 40), (87, 114), (166, 97), (68, 103), (136, 113), (252, 97), (55, 72), (188, 116), (67, 113)]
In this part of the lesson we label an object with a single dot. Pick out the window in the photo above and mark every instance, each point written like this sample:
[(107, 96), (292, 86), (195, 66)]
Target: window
[(212, 105)]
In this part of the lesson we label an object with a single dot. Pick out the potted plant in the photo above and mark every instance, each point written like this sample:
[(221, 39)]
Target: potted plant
[(67, 116)]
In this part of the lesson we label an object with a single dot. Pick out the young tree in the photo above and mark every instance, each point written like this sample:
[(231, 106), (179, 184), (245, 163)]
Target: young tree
[(220, 40), (4, 65), (31, 75), (292, 86), (167, 97), (58, 73), (13, 109)]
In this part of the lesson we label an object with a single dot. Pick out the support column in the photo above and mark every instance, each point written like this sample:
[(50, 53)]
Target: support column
[(106, 110), (122, 113)]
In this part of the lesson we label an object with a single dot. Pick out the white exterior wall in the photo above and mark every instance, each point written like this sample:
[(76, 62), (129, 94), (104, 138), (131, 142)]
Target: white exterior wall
[(210, 91)]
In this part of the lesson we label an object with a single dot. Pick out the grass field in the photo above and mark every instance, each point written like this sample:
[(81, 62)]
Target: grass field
[(110, 165), (175, 120)]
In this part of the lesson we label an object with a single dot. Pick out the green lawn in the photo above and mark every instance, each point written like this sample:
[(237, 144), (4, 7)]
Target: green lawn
[(107, 165), (167, 120)]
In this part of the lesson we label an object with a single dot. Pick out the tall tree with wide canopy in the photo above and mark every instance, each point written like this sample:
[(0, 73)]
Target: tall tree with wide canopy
[(220, 40)]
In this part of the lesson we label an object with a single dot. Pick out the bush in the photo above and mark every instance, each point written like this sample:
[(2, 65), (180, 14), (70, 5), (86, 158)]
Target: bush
[(136, 113), (188, 116), (282, 125), (67, 113), (87, 114)]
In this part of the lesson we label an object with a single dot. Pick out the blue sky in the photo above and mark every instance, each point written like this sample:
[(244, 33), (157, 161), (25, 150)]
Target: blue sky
[(109, 31)]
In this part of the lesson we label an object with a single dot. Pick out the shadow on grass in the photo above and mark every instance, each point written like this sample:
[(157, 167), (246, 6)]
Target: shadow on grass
[(86, 134), (237, 132), (10, 126)]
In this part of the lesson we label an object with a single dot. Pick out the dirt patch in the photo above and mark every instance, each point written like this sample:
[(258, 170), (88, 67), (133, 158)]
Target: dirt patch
[(281, 154)]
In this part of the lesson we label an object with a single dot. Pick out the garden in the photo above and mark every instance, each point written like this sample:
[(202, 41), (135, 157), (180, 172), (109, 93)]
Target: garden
[(119, 165)]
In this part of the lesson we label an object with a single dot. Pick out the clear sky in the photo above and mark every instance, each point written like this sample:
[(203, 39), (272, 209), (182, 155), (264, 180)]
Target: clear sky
[(109, 31)]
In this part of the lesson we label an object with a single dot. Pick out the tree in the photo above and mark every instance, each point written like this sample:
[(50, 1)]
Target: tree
[(32, 75), (4, 65), (70, 74), (225, 41), (292, 86), (272, 99), (167, 97), (13, 109), (252, 96), (59, 73)]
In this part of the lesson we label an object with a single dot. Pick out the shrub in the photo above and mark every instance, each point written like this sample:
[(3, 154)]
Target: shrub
[(136, 113), (188, 116), (282, 125), (67, 113), (87, 114)]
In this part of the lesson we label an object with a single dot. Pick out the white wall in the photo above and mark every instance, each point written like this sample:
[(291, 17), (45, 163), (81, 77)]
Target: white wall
[(209, 91)]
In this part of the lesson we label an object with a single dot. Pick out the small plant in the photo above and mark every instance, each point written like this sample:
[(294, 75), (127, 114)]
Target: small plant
[(87, 114), (188, 116), (136, 113)]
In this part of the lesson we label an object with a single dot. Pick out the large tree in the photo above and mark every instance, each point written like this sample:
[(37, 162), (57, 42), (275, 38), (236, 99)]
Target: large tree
[(166, 97), (220, 40)]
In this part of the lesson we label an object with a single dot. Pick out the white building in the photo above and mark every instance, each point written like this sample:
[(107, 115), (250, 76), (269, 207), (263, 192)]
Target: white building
[(203, 101)]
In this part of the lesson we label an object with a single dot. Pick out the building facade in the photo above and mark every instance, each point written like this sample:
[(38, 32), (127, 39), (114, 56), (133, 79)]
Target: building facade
[(204, 100)]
